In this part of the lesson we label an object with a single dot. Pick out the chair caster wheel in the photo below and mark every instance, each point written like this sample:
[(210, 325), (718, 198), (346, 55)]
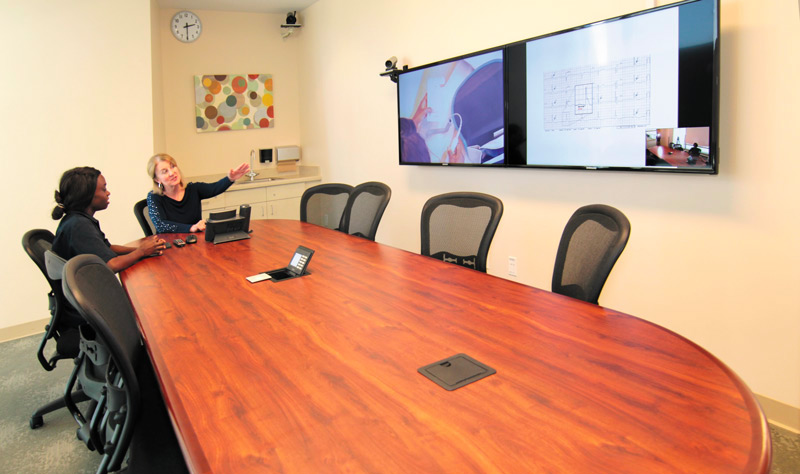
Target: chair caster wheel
[(36, 422)]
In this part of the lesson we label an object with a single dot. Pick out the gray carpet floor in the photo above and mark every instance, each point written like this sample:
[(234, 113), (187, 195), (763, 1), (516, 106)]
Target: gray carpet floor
[(24, 386), (54, 448)]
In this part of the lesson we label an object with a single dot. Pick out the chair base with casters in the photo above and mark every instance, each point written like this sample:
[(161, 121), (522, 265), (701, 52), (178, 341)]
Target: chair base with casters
[(37, 419)]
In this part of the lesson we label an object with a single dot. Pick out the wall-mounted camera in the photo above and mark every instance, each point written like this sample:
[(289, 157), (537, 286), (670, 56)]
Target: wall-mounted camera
[(391, 68), (290, 25)]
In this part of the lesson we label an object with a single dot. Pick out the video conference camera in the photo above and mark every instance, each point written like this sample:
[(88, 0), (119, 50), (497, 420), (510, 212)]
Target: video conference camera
[(391, 69)]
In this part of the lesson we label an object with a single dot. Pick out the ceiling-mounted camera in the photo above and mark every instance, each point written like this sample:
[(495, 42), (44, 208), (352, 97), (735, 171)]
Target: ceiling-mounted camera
[(290, 25)]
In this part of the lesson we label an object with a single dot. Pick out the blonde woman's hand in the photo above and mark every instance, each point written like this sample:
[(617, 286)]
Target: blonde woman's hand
[(236, 173), (199, 227)]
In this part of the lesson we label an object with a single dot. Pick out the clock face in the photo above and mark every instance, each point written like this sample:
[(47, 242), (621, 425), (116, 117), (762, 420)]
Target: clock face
[(186, 26)]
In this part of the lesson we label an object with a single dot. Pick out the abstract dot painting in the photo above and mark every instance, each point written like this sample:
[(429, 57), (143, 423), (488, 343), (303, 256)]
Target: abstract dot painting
[(233, 102)]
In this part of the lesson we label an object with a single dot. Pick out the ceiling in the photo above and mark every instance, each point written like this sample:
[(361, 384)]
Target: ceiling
[(255, 6)]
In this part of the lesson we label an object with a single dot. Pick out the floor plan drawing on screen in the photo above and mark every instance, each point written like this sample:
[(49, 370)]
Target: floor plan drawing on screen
[(612, 95)]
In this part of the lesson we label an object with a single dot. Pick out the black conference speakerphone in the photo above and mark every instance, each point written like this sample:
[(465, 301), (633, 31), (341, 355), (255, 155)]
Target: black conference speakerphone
[(226, 226)]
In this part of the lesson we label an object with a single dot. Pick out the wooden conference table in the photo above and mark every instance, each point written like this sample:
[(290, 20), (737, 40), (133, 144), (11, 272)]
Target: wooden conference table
[(319, 373), (676, 157)]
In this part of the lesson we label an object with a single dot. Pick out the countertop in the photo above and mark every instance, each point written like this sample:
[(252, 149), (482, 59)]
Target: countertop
[(266, 177)]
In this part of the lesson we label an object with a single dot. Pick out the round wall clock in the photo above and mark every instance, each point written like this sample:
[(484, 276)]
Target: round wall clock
[(186, 26)]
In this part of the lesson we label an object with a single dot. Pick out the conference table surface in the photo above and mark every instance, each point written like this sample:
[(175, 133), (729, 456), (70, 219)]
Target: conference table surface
[(319, 373), (676, 157)]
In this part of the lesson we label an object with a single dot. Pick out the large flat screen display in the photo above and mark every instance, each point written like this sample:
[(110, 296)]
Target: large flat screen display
[(637, 92), (634, 92), (453, 112)]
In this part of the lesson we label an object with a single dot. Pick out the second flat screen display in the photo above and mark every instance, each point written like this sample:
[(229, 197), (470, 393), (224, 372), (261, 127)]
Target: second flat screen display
[(634, 93)]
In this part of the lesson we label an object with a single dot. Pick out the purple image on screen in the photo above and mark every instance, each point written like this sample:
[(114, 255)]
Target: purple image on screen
[(453, 112)]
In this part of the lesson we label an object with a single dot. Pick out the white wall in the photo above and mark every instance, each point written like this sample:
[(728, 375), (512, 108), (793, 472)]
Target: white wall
[(76, 92), (714, 258)]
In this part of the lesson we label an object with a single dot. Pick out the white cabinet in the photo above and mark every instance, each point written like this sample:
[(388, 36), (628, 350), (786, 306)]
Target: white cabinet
[(284, 209), (283, 202), (256, 198), (271, 201)]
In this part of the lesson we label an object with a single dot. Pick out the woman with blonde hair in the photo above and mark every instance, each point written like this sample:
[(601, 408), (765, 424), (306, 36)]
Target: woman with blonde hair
[(175, 206)]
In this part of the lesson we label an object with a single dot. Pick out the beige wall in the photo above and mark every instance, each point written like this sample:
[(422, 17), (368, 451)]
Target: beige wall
[(156, 59), (714, 258), (231, 43), (83, 94), (77, 92)]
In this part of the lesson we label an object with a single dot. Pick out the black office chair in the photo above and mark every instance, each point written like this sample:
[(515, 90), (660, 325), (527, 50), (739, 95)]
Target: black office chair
[(459, 227), (364, 209), (64, 320), (593, 240), (143, 216), (115, 371), (324, 204)]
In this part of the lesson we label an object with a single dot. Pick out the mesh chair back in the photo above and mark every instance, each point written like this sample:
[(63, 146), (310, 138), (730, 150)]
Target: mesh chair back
[(593, 240), (95, 291), (364, 209), (459, 227), (324, 204), (143, 217)]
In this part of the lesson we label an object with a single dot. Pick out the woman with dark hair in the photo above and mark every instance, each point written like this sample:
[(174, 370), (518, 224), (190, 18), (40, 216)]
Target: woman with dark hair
[(81, 193)]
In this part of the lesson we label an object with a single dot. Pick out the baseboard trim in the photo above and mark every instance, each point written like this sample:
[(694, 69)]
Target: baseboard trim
[(23, 330), (780, 414)]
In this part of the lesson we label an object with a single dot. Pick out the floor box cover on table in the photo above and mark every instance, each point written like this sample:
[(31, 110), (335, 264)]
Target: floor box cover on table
[(456, 371)]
